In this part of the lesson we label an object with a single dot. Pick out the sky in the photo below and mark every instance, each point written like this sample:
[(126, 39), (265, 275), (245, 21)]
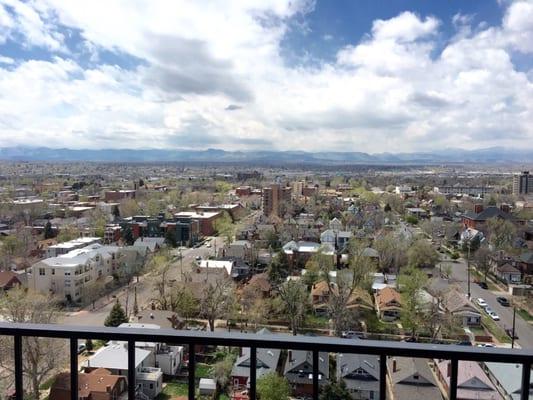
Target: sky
[(344, 75)]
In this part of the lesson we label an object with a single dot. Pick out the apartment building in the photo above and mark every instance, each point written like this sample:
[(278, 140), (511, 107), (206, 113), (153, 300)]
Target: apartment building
[(66, 247), (523, 183), (274, 198), (67, 276), (464, 190)]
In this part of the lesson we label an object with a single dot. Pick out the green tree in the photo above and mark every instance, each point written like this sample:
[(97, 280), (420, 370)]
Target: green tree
[(335, 391), (482, 261), (224, 227), (411, 219), (48, 231), (170, 238), (116, 316), (271, 386), (89, 345), (222, 370), (411, 281), (422, 254)]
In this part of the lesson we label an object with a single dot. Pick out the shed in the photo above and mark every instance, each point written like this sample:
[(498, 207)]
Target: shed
[(207, 386)]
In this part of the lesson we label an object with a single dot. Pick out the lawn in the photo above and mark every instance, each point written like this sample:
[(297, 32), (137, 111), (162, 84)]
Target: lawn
[(173, 390), (525, 315), (314, 321), (495, 330), (203, 371)]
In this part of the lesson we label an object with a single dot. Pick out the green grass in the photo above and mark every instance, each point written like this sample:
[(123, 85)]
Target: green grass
[(173, 389), (203, 371), (495, 330), (524, 314), (223, 396), (48, 383), (314, 321)]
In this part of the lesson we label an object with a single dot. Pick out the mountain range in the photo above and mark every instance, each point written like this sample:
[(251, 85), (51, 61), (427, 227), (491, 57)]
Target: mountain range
[(482, 156)]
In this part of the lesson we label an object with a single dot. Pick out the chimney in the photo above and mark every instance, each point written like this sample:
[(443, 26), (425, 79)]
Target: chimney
[(478, 208), (394, 365), (290, 356)]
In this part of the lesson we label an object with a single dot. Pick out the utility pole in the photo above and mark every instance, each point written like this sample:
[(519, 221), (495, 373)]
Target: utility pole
[(468, 269), (513, 331)]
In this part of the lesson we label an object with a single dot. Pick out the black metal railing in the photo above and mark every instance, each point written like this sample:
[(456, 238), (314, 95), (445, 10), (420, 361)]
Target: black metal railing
[(383, 349)]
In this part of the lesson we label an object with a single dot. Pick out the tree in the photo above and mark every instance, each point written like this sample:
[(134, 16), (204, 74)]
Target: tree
[(277, 269), (184, 302), (294, 297), (41, 356), (335, 391), (501, 233), (391, 251), (271, 386), (411, 219), (482, 260), (422, 254), (48, 231), (341, 292), (68, 232), (387, 208), (217, 300), (93, 292), (127, 235), (412, 281), (116, 316), (224, 227), (135, 302), (222, 370), (89, 345), (170, 238), (129, 208)]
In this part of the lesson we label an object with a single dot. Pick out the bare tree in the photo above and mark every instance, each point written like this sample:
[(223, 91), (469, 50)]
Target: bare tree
[(41, 356), (294, 298), (501, 233), (217, 300)]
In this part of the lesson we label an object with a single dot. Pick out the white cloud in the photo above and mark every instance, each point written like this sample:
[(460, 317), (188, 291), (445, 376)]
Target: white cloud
[(212, 75)]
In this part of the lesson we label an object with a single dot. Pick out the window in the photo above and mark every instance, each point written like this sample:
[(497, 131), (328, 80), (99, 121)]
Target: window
[(42, 271), (415, 377), (151, 385), (371, 395), (53, 271), (67, 273)]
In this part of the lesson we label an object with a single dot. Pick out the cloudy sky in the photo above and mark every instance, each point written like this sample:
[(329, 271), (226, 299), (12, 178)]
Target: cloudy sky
[(362, 75)]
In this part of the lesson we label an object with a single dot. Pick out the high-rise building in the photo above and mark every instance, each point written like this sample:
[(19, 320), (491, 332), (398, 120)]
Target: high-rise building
[(274, 198), (522, 183)]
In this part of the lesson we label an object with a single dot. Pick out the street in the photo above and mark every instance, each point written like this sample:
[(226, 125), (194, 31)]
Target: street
[(145, 292), (524, 331)]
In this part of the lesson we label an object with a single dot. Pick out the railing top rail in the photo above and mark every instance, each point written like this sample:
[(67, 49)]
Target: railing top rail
[(279, 341)]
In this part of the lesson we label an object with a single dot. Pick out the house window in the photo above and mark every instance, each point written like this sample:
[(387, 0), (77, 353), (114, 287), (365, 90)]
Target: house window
[(415, 377), (151, 385), (42, 271), (53, 271), (371, 395)]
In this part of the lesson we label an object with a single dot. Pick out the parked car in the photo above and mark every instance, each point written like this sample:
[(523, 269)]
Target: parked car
[(81, 348), (488, 310), (486, 345), (509, 332), (198, 258), (503, 301), (483, 285), (494, 316), (480, 302)]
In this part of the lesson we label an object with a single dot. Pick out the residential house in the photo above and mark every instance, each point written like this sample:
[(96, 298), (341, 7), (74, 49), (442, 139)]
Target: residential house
[(472, 382), (100, 384), (206, 220), (507, 273), (9, 280), (167, 357), (458, 305), (525, 263), (66, 247), (506, 378), (148, 245), (478, 218), (412, 378), (261, 283), (298, 253), (299, 371), (320, 293), (267, 361), (360, 372), (239, 249), (114, 357), (388, 304)]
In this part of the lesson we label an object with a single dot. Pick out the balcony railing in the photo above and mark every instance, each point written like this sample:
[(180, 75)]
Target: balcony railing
[(383, 349)]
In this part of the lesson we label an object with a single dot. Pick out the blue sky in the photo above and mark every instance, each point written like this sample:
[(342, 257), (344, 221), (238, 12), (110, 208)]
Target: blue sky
[(343, 75)]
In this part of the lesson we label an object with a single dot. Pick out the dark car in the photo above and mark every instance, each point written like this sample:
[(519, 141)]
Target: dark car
[(509, 332), (465, 343), (483, 285), (503, 301)]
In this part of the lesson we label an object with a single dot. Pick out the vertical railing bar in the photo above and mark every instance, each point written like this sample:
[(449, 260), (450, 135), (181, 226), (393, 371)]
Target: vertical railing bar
[(453, 379), (131, 370), (19, 389), (73, 369), (315, 374), (526, 377), (382, 377), (191, 367), (253, 372)]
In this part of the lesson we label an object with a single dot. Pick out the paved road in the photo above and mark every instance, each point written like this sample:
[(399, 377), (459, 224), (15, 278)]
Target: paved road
[(523, 329), (145, 289)]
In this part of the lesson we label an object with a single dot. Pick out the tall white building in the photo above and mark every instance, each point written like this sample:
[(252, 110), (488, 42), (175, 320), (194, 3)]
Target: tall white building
[(68, 275)]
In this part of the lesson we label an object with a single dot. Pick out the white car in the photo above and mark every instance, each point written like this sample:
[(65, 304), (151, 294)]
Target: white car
[(488, 310), (494, 316), (480, 302), (486, 345)]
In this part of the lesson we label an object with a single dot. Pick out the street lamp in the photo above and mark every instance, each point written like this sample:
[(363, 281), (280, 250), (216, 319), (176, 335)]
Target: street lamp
[(468, 268)]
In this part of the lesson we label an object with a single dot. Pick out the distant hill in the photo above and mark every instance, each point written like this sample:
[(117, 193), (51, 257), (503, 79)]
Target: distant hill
[(489, 155)]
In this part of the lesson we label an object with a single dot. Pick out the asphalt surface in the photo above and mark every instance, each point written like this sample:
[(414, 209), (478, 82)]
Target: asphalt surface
[(523, 329)]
